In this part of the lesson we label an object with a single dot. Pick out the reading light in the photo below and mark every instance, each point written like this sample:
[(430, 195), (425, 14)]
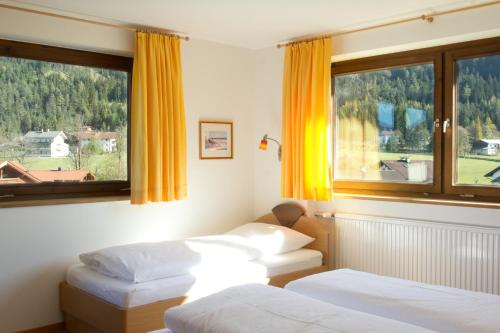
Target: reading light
[(263, 145)]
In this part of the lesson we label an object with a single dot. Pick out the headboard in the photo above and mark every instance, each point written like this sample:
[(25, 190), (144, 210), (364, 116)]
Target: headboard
[(316, 228)]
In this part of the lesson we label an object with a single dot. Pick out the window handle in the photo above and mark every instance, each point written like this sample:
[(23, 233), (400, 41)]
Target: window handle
[(446, 124)]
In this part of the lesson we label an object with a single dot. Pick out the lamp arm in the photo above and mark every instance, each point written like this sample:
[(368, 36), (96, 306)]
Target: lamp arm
[(279, 146)]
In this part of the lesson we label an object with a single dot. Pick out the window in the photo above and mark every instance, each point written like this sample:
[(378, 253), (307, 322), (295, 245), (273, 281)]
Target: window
[(473, 111), (64, 122), (385, 121), (395, 133)]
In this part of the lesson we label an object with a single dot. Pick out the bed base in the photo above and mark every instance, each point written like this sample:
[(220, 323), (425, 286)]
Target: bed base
[(86, 313)]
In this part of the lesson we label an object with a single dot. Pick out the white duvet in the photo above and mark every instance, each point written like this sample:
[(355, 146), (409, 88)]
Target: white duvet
[(256, 308), (444, 309), (141, 262)]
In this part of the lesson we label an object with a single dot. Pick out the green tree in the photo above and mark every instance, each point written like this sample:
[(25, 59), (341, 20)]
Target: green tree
[(464, 142), (478, 129), (467, 91), (392, 144), (417, 138), (489, 129), (92, 148)]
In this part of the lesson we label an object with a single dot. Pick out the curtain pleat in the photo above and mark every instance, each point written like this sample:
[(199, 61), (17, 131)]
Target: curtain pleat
[(158, 142), (306, 155)]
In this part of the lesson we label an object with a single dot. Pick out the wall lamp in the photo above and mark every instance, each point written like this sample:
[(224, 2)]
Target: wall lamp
[(263, 145)]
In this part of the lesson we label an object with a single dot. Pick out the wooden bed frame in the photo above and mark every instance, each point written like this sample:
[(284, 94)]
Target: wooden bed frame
[(86, 313)]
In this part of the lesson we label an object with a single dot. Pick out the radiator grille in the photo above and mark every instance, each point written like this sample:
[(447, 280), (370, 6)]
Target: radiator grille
[(458, 256)]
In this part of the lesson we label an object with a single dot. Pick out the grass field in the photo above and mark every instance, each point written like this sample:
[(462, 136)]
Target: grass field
[(471, 170), (47, 163)]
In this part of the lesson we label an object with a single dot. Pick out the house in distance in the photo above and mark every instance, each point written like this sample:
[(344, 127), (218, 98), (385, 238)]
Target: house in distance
[(486, 147), (46, 143), (105, 140)]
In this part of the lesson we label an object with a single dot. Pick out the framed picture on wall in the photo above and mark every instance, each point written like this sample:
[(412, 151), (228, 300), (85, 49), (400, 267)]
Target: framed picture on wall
[(216, 139)]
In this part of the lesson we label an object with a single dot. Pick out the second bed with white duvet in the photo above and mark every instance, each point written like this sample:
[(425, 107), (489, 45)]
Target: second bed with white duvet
[(126, 294)]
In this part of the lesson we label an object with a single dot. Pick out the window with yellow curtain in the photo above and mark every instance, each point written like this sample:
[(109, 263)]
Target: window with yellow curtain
[(158, 143), (306, 172)]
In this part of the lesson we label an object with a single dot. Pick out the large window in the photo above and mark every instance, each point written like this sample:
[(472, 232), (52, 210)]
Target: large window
[(477, 145), (395, 134), (385, 124), (64, 122)]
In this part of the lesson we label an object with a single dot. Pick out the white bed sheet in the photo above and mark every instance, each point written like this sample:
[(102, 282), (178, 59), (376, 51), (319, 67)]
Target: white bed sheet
[(293, 261), (444, 309), (126, 294), (257, 308)]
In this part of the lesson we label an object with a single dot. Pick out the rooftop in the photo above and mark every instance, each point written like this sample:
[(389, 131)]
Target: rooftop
[(44, 134), (39, 176), (494, 141), (96, 135), (62, 175), (397, 170)]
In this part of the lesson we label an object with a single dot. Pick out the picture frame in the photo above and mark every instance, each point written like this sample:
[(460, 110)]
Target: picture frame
[(215, 140)]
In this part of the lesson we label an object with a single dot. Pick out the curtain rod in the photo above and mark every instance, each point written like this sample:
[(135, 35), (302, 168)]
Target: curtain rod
[(429, 18), (101, 23)]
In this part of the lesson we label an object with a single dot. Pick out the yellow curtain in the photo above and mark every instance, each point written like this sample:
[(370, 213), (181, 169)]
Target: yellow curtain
[(158, 161), (306, 167), (357, 149)]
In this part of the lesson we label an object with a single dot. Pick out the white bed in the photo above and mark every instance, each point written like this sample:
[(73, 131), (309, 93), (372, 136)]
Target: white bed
[(444, 309), (125, 294), (126, 289), (255, 308)]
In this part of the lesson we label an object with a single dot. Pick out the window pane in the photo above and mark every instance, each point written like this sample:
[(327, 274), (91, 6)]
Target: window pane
[(61, 123), (478, 111), (384, 125)]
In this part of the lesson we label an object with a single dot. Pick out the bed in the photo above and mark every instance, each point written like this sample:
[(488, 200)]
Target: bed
[(260, 308), (444, 309), (95, 303)]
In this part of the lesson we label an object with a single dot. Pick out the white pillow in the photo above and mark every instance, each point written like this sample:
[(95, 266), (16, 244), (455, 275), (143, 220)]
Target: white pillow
[(270, 238), (143, 262)]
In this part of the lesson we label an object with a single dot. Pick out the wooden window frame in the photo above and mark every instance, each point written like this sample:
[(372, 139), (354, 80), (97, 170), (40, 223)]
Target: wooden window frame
[(442, 189), (451, 113), (43, 193)]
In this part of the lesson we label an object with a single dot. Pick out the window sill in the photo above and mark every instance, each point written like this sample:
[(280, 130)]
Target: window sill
[(419, 198), (59, 200)]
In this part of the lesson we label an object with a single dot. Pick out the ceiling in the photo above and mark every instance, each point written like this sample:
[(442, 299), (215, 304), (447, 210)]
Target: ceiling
[(245, 23)]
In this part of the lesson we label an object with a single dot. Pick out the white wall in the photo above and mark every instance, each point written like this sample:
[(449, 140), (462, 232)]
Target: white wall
[(481, 23), (453, 28), (37, 244)]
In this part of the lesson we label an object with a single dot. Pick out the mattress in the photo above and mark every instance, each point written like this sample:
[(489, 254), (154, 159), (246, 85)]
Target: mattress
[(125, 294), (293, 261), (439, 308), (258, 308)]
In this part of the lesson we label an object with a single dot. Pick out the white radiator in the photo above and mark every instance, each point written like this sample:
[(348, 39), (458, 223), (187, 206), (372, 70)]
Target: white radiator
[(459, 256)]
